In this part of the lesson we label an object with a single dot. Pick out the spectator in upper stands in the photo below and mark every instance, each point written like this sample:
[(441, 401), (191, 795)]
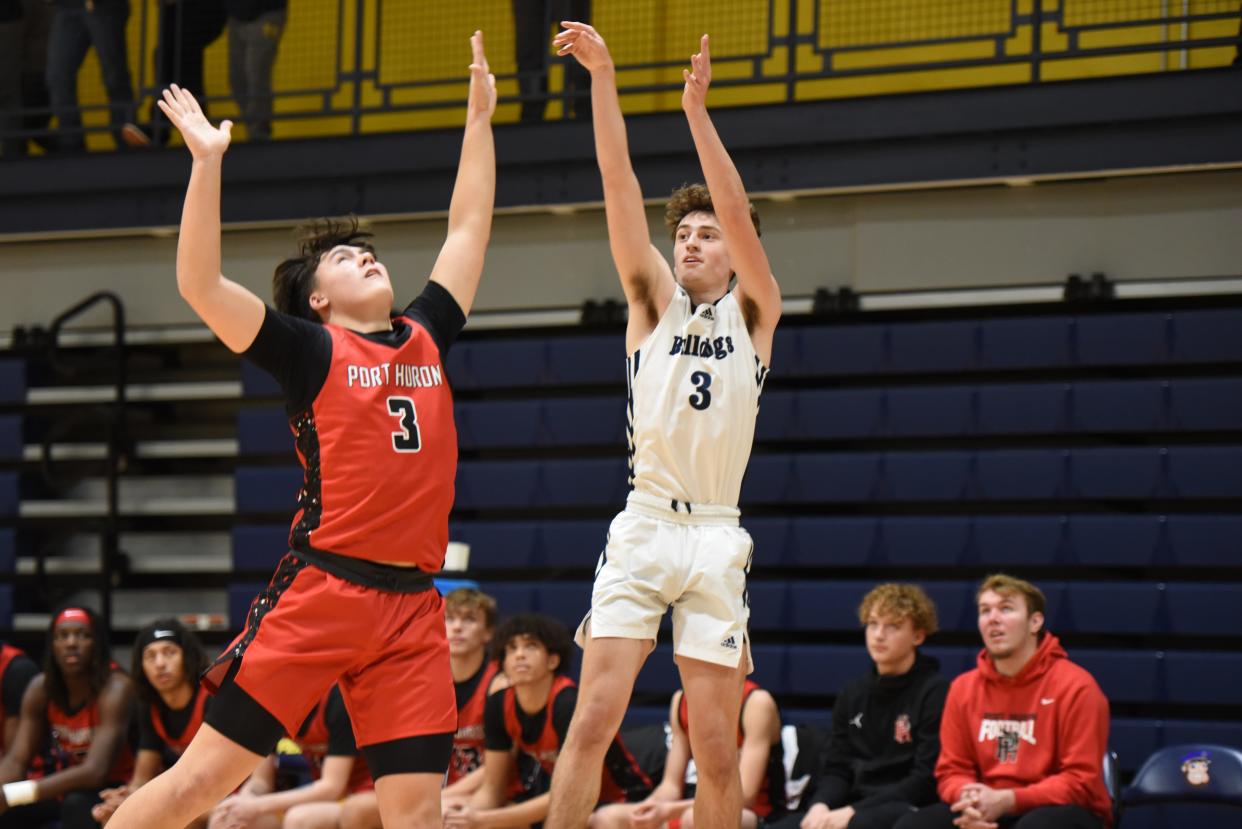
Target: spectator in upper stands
[(167, 662), (532, 29), (24, 26), (524, 728), (255, 27), (1023, 735), (879, 763), (17, 671), (77, 26), (470, 619), (85, 702), (327, 742), (761, 762)]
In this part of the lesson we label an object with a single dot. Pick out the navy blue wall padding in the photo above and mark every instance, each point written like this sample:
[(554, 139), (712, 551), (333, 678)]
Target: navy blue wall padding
[(484, 484), (256, 382), (1209, 678), (583, 422), (640, 715), (1120, 406), (1207, 336), (769, 605), (954, 660), (848, 476), (263, 432), (659, 674), (924, 541), (917, 348), (6, 607), (1116, 607), (575, 544), (1034, 409), (1206, 540), (836, 351), (262, 489), (10, 437), (259, 547), (1205, 609), (588, 482), (837, 413), (1198, 405), (1026, 343), (1191, 731), (1016, 541), (1118, 473), (592, 360), (240, 597), (1206, 472), (823, 669), (1130, 339), (1124, 675), (12, 381), (1116, 540), (1134, 739), (946, 410), (498, 545), (926, 476), (1021, 474), (8, 493), (8, 551), (819, 717), (493, 424)]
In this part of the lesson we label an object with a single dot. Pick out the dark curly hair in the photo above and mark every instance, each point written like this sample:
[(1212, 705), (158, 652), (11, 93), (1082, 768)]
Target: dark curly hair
[(545, 630), (294, 279), (694, 198)]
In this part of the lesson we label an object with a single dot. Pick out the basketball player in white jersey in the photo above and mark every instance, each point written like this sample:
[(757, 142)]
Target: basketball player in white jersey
[(698, 353)]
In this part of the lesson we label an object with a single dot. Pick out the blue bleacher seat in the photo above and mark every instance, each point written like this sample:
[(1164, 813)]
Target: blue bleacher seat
[(1120, 406), (659, 673), (637, 716), (921, 347), (566, 601), (1021, 474), (925, 541), (240, 597), (771, 666), (1018, 540), (1163, 779), (775, 420), (1206, 472), (825, 605), (1205, 609), (10, 437), (769, 479), (1115, 607), (839, 541), (496, 484), (1026, 343), (1206, 405), (933, 411), (8, 551), (263, 432), (8, 493), (583, 482), (512, 596), (770, 536), (572, 543), (495, 424), (817, 670), (593, 360), (769, 605), (498, 545), (820, 718), (955, 603), (926, 476), (820, 414), (1211, 731), (260, 489), (12, 381), (583, 422), (499, 364), (953, 660), (1207, 336), (833, 351), (1122, 339), (256, 382), (1133, 739), (1131, 473), (1032, 409), (1124, 675), (6, 607), (1206, 540), (832, 478), (259, 547), (1116, 540)]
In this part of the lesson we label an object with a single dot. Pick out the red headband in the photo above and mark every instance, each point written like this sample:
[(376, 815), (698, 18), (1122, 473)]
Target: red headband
[(72, 614)]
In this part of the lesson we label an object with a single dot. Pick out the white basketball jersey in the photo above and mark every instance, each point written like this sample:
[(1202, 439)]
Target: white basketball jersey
[(693, 389)]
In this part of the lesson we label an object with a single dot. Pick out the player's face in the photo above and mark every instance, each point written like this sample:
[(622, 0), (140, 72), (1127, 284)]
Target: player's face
[(73, 645), (163, 663), (1005, 624), (891, 641), (350, 281), (700, 259), (527, 660), (467, 631)]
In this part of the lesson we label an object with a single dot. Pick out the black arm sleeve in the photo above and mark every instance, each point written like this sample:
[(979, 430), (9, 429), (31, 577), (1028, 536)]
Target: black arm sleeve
[(147, 738), (297, 352), (17, 677), (563, 712), (918, 787), (495, 737), (835, 777), (340, 730), (436, 310)]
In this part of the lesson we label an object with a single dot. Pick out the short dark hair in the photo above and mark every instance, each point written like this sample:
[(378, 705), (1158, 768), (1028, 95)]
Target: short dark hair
[(98, 668), (545, 630), (193, 658), (694, 198), (294, 279)]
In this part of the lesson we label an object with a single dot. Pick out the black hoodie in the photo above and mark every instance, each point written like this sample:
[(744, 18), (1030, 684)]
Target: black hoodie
[(885, 739)]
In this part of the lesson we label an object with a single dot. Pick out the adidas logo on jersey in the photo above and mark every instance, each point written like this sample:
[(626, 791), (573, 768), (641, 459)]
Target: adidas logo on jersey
[(707, 314), (730, 643)]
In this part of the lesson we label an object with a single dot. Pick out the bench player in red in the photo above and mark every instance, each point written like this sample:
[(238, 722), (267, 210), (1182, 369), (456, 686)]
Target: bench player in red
[(372, 416)]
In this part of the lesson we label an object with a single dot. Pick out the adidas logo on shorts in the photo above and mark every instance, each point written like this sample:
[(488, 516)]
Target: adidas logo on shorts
[(730, 643)]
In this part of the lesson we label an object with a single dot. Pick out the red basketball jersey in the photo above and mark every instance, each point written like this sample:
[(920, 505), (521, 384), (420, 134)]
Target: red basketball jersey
[(314, 740), (379, 450), (177, 745), (7, 654), (468, 743), (74, 734)]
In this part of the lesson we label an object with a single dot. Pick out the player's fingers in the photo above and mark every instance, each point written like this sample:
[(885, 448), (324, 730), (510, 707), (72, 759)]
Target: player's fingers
[(703, 46)]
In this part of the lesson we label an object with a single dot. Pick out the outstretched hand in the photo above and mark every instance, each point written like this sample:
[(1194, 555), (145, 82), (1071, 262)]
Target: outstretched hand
[(698, 78), (482, 98), (202, 139), (584, 43)]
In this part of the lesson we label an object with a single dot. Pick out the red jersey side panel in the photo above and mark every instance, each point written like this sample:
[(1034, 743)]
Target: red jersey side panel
[(181, 742), (314, 741), (468, 743), (379, 450)]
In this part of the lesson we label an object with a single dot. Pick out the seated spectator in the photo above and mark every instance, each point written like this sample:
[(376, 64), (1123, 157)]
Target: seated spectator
[(77, 26), (1023, 735), (255, 27), (167, 662), (337, 770), (524, 728), (84, 701), (469, 618), (17, 671), (880, 760), (761, 762)]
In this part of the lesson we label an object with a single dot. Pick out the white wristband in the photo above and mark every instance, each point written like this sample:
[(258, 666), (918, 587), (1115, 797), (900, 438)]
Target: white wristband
[(21, 792)]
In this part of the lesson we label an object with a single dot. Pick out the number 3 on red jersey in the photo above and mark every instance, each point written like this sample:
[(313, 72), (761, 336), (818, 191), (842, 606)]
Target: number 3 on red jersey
[(408, 439)]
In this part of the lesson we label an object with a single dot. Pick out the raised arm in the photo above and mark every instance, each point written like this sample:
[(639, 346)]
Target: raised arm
[(232, 312), (460, 263), (645, 275), (758, 293)]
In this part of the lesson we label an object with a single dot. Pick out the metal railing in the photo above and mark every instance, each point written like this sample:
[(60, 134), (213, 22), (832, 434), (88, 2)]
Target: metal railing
[(347, 67)]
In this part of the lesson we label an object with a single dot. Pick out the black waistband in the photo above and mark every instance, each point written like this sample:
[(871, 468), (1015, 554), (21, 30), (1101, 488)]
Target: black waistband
[(366, 573)]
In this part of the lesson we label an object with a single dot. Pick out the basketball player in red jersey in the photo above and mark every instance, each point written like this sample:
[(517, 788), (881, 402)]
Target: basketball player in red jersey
[(167, 662), (17, 671), (84, 700), (469, 618), (372, 417)]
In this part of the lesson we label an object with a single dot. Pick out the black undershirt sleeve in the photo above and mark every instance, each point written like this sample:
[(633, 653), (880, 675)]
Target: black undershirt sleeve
[(147, 738), (20, 672), (341, 741), (297, 352), (495, 737), (436, 310)]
